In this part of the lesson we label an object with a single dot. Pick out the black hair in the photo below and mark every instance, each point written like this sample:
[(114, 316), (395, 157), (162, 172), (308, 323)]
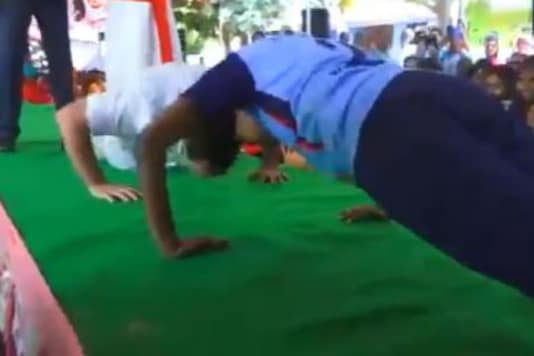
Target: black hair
[(527, 63), (508, 76), (480, 65), (215, 141), (429, 64), (79, 10), (411, 62)]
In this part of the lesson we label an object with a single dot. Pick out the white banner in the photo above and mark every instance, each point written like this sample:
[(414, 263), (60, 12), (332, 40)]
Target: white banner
[(87, 19)]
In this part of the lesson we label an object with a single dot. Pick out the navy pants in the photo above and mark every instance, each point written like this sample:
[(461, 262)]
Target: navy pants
[(15, 16), (446, 161)]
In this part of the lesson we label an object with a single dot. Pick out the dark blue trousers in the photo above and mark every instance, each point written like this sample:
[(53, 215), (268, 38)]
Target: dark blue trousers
[(15, 16), (446, 161)]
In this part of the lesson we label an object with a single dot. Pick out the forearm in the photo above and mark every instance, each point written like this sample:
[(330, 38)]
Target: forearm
[(77, 141), (152, 174)]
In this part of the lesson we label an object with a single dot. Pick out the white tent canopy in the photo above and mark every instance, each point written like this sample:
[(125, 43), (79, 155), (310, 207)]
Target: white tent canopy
[(387, 12)]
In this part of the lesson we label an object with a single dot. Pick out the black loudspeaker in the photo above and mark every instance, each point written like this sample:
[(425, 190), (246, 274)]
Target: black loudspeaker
[(320, 22), (183, 42)]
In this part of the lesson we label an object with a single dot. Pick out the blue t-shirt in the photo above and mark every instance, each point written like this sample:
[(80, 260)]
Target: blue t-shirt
[(310, 94)]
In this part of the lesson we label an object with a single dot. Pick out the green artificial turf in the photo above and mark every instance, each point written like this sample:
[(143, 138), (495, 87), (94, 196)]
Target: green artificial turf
[(296, 281)]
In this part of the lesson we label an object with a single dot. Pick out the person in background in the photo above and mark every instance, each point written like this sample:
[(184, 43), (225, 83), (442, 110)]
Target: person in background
[(258, 35), (525, 88), (499, 81), (523, 48), (454, 54), (491, 46), (411, 62), (15, 17), (376, 42), (344, 38)]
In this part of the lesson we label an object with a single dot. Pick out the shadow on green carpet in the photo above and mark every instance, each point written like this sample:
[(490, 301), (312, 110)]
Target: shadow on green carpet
[(295, 282)]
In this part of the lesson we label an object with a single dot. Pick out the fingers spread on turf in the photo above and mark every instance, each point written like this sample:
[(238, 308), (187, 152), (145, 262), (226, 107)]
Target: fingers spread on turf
[(268, 177), (361, 213), (122, 195), (130, 194), (275, 178)]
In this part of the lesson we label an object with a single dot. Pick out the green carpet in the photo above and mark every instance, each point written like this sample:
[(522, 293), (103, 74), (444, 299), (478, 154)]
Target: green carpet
[(296, 281)]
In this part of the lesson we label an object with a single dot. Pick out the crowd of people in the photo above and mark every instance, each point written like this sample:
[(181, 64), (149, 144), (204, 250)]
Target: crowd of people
[(509, 79)]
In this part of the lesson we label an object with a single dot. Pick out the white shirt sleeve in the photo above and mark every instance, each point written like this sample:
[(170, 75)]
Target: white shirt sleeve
[(101, 113)]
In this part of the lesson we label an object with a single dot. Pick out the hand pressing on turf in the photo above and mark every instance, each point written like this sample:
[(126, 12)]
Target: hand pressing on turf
[(187, 248), (268, 176), (114, 193), (271, 157), (363, 213)]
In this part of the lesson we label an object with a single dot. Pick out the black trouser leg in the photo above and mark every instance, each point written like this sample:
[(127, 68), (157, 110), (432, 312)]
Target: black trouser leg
[(52, 18), (15, 16)]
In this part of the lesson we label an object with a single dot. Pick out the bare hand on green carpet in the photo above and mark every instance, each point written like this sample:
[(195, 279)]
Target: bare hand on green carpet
[(363, 213), (115, 193), (268, 176)]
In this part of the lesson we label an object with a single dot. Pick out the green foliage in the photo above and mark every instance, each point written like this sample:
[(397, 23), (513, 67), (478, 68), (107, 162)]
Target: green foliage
[(199, 20), (478, 10), (506, 23), (250, 15)]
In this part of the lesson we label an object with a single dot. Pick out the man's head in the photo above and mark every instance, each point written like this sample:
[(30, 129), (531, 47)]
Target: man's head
[(492, 46), (213, 146), (498, 81), (214, 149), (457, 42), (524, 45), (525, 84)]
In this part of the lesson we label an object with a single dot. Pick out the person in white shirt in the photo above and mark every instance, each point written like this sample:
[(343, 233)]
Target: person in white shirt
[(108, 125)]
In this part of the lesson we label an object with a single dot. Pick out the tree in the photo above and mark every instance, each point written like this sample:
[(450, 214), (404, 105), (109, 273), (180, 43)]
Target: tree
[(200, 21), (241, 17), (250, 15)]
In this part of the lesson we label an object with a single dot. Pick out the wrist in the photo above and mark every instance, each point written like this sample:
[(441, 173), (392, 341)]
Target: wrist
[(168, 243), (96, 181), (269, 165), (166, 238)]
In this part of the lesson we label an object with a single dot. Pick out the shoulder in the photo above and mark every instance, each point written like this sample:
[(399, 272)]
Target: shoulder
[(101, 111)]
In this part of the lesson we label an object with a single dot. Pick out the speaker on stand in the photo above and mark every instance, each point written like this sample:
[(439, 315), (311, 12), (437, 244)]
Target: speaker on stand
[(316, 22)]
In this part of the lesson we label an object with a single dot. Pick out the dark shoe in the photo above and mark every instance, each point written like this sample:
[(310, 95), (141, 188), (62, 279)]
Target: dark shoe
[(7, 146)]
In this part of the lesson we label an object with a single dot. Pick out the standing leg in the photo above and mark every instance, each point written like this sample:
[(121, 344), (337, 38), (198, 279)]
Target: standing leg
[(15, 18), (453, 183), (52, 17)]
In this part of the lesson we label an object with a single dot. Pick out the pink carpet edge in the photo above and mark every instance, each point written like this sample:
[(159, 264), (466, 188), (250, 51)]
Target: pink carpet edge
[(56, 335)]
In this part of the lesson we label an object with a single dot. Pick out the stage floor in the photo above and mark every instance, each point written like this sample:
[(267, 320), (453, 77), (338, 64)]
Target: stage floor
[(296, 281)]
